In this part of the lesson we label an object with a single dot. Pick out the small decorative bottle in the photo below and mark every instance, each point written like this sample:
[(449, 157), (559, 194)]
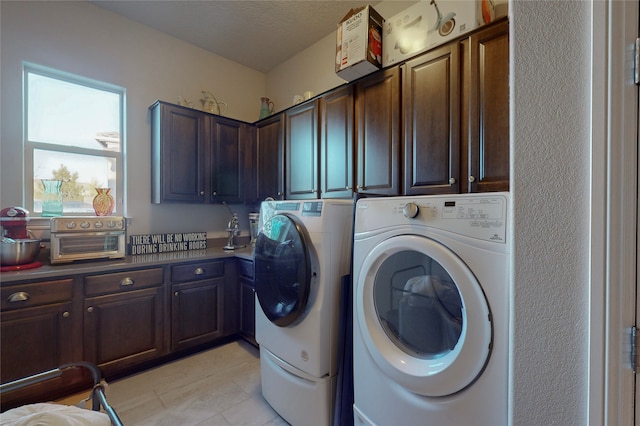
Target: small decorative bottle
[(266, 108), (51, 198), (103, 202)]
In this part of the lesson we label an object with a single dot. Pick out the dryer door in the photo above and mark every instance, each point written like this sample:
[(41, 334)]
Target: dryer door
[(282, 269), (423, 315)]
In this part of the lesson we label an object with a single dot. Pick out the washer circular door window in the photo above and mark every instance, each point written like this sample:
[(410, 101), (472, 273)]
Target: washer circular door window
[(423, 315), (282, 269)]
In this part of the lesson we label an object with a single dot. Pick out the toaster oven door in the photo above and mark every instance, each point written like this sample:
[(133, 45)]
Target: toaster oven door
[(67, 247)]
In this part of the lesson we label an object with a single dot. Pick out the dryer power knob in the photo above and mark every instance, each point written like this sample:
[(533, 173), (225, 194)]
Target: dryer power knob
[(410, 210)]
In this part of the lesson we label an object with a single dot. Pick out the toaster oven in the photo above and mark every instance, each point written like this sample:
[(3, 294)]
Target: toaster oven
[(87, 237)]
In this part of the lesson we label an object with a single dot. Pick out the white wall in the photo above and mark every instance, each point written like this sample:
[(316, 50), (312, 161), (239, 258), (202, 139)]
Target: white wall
[(84, 39), (550, 140), (314, 68)]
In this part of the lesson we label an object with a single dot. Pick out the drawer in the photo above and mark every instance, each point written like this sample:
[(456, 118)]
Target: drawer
[(42, 293), (197, 271), (123, 281), (245, 268)]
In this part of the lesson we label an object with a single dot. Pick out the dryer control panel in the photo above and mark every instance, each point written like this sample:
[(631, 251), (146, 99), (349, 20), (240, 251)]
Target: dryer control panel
[(482, 216)]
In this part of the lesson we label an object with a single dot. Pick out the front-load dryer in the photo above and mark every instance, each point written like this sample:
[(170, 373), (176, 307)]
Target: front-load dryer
[(431, 310), (302, 251)]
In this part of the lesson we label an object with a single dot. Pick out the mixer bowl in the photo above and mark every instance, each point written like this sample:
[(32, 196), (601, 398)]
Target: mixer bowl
[(20, 252)]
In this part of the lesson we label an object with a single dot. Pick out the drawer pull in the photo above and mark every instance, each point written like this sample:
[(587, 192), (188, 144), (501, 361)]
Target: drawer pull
[(127, 281), (199, 271), (65, 314), (20, 296), (90, 309)]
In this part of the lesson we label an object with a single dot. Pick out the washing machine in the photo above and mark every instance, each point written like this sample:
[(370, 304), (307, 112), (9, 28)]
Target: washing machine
[(302, 251), (431, 310)]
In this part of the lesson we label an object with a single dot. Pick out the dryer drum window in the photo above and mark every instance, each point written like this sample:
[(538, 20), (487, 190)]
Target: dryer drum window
[(432, 346), (418, 304), (282, 270)]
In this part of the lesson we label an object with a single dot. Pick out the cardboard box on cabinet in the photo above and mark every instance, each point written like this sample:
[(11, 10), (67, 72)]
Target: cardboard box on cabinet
[(430, 23), (359, 43)]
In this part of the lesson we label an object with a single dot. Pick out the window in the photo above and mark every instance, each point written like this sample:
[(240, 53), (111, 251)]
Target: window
[(74, 142)]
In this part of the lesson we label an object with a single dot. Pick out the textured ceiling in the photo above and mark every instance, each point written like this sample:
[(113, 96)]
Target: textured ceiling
[(259, 34)]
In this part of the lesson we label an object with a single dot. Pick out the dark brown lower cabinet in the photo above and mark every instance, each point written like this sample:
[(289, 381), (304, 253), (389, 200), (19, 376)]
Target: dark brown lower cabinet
[(204, 303), (37, 320), (196, 313), (39, 331), (124, 319), (120, 321), (247, 301)]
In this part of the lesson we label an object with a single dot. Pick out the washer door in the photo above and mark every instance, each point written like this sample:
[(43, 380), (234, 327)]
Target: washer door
[(423, 315), (282, 269)]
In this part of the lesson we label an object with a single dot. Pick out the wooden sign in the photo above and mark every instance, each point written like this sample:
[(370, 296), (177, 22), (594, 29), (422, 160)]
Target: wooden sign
[(162, 243)]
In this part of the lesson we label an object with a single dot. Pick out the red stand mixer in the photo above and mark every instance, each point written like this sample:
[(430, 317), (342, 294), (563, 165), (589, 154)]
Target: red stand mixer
[(14, 223), (18, 249)]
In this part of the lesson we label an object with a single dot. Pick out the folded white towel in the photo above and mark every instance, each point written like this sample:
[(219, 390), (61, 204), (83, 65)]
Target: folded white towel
[(46, 414)]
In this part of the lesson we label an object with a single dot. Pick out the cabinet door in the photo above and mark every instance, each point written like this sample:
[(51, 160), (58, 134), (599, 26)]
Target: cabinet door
[(37, 319), (270, 158), (430, 101), (226, 166), (178, 153), (336, 144), (36, 339), (196, 313), (486, 111), (249, 165), (248, 318), (378, 133), (301, 158), (124, 329), (247, 300)]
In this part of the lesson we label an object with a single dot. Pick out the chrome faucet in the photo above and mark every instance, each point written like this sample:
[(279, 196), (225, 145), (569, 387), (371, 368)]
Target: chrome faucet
[(233, 230)]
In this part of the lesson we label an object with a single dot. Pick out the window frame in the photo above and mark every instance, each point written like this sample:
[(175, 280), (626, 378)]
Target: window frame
[(29, 147)]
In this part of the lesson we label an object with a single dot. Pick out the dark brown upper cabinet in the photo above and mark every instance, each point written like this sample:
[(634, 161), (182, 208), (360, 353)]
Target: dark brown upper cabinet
[(430, 99), (337, 143), (196, 156), (269, 153), (378, 133), (485, 110), (301, 147)]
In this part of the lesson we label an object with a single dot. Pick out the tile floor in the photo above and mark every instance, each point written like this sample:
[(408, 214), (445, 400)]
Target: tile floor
[(220, 386)]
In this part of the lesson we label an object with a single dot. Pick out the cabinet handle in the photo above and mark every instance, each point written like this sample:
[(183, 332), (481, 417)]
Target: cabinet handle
[(20, 296), (452, 181), (127, 281), (472, 179), (201, 192), (199, 271), (175, 294), (215, 193), (65, 314), (90, 309)]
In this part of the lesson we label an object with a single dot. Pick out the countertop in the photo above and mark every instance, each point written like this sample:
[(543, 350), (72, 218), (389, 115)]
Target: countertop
[(214, 250)]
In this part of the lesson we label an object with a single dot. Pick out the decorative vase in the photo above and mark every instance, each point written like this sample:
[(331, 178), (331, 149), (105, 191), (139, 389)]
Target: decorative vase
[(103, 203), (51, 198), (266, 108)]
